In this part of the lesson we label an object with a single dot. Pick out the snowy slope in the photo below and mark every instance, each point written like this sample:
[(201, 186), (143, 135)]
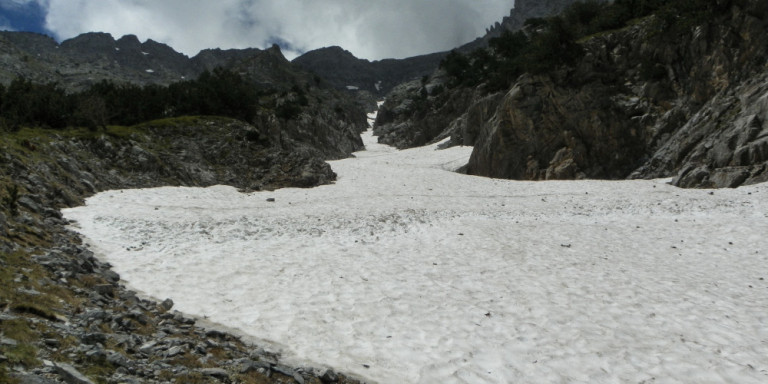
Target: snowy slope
[(404, 272)]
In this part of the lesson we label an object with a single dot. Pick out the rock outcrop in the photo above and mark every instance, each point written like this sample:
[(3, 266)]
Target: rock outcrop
[(699, 119), (638, 104), (523, 10), (419, 112)]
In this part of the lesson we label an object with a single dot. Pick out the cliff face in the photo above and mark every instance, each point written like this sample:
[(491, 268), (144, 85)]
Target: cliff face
[(417, 113), (523, 10), (638, 104), (701, 119)]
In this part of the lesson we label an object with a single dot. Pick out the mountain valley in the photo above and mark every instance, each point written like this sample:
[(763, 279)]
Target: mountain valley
[(592, 92)]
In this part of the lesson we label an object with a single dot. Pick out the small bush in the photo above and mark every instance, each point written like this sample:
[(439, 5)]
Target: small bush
[(11, 199)]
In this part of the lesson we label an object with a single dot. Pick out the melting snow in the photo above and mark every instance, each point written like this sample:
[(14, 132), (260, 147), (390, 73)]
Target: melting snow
[(404, 272)]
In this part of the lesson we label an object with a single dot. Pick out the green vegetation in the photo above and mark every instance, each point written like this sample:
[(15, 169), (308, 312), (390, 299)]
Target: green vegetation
[(216, 93), (550, 43), (11, 199)]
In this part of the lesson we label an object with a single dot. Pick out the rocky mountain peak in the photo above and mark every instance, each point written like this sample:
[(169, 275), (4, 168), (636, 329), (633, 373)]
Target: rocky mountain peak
[(523, 10), (91, 42)]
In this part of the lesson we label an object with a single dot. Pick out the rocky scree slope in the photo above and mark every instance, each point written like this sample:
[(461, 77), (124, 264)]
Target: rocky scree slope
[(638, 104), (64, 315)]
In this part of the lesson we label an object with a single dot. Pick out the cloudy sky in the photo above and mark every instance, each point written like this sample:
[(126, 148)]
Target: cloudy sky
[(372, 29)]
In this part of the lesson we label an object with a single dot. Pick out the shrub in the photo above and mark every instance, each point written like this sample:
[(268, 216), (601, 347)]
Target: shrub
[(11, 199)]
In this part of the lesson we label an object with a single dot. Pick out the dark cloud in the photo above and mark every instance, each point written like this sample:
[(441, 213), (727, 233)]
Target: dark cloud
[(372, 29), (23, 15)]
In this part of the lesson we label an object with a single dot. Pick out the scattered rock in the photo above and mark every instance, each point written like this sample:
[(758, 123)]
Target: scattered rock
[(167, 304), (329, 377), (215, 372), (71, 375)]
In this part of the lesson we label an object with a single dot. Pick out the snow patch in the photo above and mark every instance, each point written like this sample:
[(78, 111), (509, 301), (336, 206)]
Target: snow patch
[(403, 272)]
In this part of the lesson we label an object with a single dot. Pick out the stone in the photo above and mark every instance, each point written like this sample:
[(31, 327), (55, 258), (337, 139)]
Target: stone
[(167, 304), (215, 372), (254, 366), (148, 347), (104, 289), (28, 378), (118, 359), (729, 177), (70, 375), (93, 338), (31, 204), (329, 376), (175, 351)]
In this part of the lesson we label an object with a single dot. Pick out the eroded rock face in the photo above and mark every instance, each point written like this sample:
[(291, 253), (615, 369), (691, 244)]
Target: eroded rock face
[(701, 120), (637, 105), (542, 131), (725, 144)]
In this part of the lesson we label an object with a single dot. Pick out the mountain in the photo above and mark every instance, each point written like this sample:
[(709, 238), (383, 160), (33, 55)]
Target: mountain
[(677, 93), (377, 78), (64, 314), (344, 71), (523, 10), (89, 58)]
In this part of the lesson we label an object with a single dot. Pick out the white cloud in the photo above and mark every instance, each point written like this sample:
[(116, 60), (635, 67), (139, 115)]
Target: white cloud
[(371, 29)]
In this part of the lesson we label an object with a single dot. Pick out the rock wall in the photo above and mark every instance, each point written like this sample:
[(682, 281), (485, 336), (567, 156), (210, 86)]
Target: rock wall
[(604, 119), (639, 104)]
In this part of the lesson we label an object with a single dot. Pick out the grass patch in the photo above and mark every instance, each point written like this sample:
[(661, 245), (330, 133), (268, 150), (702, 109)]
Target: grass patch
[(4, 377), (181, 121), (189, 360), (21, 289), (23, 352), (97, 369), (253, 378)]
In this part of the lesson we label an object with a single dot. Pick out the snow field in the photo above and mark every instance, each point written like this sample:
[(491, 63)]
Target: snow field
[(404, 272)]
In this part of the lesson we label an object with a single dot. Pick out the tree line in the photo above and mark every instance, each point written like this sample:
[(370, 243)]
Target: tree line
[(548, 43), (217, 93)]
